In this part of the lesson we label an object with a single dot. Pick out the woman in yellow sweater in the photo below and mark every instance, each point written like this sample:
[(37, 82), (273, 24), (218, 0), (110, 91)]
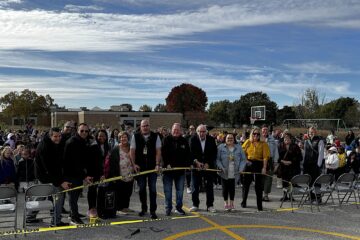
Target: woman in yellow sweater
[(257, 154)]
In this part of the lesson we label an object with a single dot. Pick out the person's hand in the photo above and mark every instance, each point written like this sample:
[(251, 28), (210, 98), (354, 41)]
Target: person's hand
[(263, 170), (206, 166), (66, 185), (168, 166), (136, 168), (157, 168), (199, 165), (89, 180), (102, 178)]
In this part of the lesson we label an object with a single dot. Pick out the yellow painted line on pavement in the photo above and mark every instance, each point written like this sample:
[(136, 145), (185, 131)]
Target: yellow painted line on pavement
[(214, 224), (286, 209), (201, 230), (89, 225)]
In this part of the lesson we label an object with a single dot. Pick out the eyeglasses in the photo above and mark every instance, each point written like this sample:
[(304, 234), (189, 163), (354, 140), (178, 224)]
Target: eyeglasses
[(256, 134), (85, 131)]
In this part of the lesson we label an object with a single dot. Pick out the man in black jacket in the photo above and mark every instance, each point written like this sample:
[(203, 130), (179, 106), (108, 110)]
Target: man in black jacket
[(49, 169), (203, 153), (76, 167), (145, 151), (175, 153)]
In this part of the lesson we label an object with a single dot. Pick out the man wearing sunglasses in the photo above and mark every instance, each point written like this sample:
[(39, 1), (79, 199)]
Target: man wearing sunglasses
[(76, 156)]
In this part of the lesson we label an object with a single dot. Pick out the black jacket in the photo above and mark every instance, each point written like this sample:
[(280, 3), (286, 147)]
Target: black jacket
[(76, 158), (210, 152), (26, 170), (176, 152), (49, 162)]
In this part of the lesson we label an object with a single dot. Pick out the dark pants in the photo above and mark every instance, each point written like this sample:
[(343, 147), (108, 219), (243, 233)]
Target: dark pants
[(123, 191), (74, 197), (150, 179), (314, 171), (228, 188), (91, 196), (168, 180), (255, 167), (209, 187)]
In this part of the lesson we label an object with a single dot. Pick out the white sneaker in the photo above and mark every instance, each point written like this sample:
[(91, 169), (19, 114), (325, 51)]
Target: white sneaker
[(121, 213), (194, 209), (188, 190), (211, 209)]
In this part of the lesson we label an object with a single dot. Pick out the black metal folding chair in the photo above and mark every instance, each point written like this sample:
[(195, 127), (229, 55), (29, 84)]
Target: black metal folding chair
[(323, 186), (299, 186), (344, 187), (8, 205), (37, 199)]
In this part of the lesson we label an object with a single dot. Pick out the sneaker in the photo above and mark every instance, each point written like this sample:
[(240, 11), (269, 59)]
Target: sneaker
[(60, 224), (211, 209), (232, 208), (127, 210), (180, 211), (121, 212), (226, 207), (142, 213), (266, 199), (194, 209), (153, 215), (76, 221), (92, 213), (81, 215), (188, 190), (168, 212)]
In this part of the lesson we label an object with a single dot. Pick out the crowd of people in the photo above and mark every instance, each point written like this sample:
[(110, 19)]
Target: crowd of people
[(78, 154)]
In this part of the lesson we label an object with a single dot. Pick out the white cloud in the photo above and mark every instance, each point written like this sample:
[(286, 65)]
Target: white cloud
[(60, 31), (318, 68), (79, 8)]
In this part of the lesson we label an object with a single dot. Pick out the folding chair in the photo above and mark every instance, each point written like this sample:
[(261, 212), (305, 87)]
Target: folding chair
[(299, 186), (357, 185), (37, 199), (344, 187), (8, 204), (321, 187)]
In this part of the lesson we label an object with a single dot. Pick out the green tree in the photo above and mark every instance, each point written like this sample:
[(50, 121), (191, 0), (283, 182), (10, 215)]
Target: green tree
[(160, 108), (242, 108), (219, 112), (145, 108), (352, 116), (25, 104), (337, 108), (186, 97), (285, 113)]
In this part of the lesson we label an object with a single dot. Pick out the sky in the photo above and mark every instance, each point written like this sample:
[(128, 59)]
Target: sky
[(87, 53)]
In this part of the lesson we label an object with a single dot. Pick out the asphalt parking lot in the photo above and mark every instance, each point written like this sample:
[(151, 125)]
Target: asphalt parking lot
[(332, 222)]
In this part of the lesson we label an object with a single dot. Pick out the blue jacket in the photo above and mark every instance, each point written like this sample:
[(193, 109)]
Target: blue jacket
[(7, 171), (222, 160)]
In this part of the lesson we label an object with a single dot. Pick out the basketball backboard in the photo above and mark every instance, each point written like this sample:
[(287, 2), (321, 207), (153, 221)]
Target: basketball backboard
[(258, 112)]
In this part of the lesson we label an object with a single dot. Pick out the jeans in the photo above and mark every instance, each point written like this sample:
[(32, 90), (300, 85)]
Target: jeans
[(196, 182), (179, 180), (59, 204), (74, 197), (151, 181)]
